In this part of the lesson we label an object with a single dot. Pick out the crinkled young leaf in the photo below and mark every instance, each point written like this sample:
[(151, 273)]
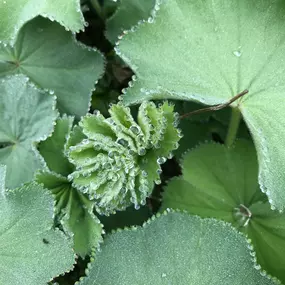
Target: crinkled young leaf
[(75, 211), (210, 51), (176, 249), (54, 61), (26, 117), (128, 14), (15, 13), (222, 183), (119, 161), (31, 251), (52, 149)]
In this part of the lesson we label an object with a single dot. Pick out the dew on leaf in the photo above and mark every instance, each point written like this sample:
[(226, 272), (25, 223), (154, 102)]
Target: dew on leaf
[(161, 160), (237, 53)]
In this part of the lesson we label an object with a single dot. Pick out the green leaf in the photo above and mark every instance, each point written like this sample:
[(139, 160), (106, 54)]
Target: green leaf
[(210, 51), (54, 61), (15, 13), (119, 161), (52, 149), (75, 211), (31, 251), (222, 183), (195, 133), (176, 249), (2, 179), (26, 117), (129, 13)]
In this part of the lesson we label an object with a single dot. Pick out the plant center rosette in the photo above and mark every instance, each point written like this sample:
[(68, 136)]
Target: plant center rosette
[(118, 159)]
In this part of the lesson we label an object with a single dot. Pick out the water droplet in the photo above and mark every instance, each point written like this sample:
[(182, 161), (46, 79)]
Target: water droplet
[(122, 142), (142, 151), (96, 112), (132, 199), (150, 20), (111, 154), (257, 266), (237, 53), (144, 173), (134, 129), (170, 155), (161, 160), (163, 275), (158, 171), (157, 181)]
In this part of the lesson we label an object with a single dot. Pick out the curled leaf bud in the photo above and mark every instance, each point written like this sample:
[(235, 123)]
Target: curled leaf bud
[(118, 159)]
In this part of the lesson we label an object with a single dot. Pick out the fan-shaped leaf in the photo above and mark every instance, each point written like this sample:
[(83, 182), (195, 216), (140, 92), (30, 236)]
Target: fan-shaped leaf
[(26, 117), (53, 148), (222, 183), (14, 14), (176, 249), (73, 209), (211, 50), (51, 58), (31, 251)]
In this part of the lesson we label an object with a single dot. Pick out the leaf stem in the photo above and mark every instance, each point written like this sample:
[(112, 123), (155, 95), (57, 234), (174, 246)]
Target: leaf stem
[(215, 107), (96, 5), (233, 127)]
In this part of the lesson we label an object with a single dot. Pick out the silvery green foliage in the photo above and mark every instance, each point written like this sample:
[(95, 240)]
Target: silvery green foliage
[(118, 159)]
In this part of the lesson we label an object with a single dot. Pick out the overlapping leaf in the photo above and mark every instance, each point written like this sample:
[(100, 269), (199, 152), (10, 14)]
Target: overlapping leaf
[(211, 50), (222, 183), (31, 251), (176, 249), (129, 13), (26, 117), (13, 14), (73, 209), (51, 58)]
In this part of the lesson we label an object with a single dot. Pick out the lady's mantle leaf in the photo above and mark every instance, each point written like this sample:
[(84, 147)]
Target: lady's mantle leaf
[(53, 148), (2, 179), (119, 160), (176, 249), (128, 14), (222, 183), (14, 14), (73, 209), (31, 251), (210, 51), (26, 117), (51, 58)]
